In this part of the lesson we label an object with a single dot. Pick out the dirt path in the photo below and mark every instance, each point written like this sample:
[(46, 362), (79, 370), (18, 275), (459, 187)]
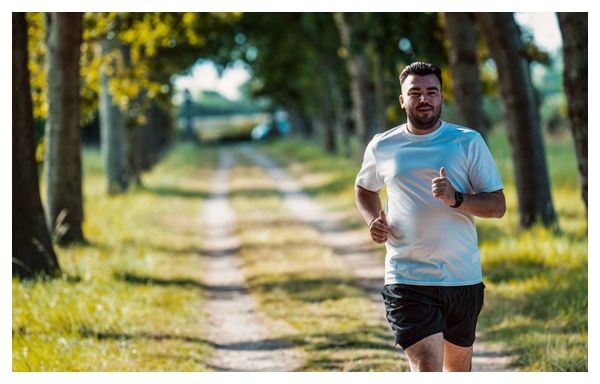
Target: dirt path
[(235, 326), (352, 246)]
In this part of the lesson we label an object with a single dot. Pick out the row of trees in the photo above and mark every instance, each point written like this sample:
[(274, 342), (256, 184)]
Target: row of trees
[(346, 65), (116, 65), (335, 73)]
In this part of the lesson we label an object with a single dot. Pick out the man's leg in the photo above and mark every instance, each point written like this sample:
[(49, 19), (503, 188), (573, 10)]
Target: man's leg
[(457, 359), (427, 355)]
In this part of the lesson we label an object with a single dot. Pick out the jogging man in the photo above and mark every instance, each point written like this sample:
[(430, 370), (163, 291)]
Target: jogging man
[(438, 176)]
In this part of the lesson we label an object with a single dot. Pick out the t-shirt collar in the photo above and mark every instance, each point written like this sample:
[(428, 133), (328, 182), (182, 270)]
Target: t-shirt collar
[(426, 136)]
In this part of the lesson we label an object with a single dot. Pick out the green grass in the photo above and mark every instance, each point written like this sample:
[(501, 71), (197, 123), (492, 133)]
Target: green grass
[(310, 296), (129, 300), (536, 295), (132, 300)]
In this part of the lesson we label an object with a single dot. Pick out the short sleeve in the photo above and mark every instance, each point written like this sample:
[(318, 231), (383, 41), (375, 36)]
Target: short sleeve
[(368, 177), (483, 173)]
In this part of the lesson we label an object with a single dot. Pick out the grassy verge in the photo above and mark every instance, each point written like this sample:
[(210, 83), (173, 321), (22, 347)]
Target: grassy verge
[(303, 287), (536, 303), (130, 299)]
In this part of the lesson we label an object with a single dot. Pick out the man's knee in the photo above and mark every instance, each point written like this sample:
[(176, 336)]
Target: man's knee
[(427, 354), (457, 358), (425, 362)]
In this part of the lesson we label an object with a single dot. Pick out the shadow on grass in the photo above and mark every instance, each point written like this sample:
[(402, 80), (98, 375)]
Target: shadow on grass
[(253, 193), (171, 191), (554, 316), (366, 338), (311, 290), (565, 296), (535, 345), (253, 345), (332, 187), (501, 271), (363, 337), (326, 350), (490, 232), (149, 280), (172, 251), (328, 226), (219, 291)]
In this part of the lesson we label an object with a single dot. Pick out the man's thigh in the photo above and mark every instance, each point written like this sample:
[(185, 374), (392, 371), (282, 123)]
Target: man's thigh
[(462, 306), (413, 312)]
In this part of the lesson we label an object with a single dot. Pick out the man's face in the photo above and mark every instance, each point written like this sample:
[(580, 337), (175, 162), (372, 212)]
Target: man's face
[(422, 100)]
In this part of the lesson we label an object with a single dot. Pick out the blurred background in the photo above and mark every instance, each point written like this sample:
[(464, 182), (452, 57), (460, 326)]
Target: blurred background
[(118, 120)]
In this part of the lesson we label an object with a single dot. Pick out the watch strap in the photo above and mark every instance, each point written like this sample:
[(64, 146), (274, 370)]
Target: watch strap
[(458, 196)]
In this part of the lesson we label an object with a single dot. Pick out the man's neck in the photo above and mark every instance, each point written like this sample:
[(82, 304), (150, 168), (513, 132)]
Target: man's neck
[(416, 131)]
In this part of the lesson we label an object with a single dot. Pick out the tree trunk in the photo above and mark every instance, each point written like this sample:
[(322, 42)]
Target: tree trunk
[(154, 136), (503, 38), (135, 154), (301, 123), (361, 85), (328, 121), (134, 134), (380, 121), (63, 137), (574, 29), (464, 68), (112, 129), (342, 137), (31, 245)]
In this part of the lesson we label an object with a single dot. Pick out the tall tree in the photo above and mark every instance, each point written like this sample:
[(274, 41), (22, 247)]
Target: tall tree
[(112, 122), (464, 68), (63, 137), (140, 52), (503, 38), (329, 82), (31, 246), (574, 30), (361, 82)]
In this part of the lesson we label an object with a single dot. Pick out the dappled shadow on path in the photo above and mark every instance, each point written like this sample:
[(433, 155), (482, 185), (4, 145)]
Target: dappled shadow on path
[(219, 291), (252, 193), (251, 345), (173, 251)]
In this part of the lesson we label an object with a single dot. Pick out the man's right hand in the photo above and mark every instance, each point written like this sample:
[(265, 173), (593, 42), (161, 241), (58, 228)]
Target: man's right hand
[(379, 228)]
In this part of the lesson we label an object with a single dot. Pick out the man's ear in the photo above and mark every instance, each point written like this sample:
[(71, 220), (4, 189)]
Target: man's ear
[(401, 100)]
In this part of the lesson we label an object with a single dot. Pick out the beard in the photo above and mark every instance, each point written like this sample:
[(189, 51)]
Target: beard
[(426, 122)]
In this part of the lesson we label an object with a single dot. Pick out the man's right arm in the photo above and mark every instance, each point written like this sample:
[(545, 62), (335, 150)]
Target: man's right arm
[(369, 206)]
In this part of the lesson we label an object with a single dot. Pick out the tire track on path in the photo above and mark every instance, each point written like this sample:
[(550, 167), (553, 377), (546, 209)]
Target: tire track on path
[(235, 327), (353, 247)]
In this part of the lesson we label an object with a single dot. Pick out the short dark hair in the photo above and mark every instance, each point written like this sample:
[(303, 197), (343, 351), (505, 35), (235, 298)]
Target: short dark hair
[(421, 69)]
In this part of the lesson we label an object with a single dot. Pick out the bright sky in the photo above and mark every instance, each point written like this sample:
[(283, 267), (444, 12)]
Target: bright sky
[(544, 26), (204, 76)]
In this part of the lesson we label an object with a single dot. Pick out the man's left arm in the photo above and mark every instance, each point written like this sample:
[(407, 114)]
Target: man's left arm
[(483, 204)]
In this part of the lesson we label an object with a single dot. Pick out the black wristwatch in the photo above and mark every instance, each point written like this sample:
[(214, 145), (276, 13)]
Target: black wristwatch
[(458, 196)]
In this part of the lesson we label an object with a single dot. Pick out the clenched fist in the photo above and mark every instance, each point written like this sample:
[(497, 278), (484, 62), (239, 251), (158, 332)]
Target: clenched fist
[(379, 228), (442, 189)]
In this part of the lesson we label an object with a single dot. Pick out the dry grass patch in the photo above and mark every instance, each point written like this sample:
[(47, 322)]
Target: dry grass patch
[(130, 300)]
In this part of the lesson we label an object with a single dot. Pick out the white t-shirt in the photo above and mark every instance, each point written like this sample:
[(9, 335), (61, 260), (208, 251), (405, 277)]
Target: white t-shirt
[(429, 243)]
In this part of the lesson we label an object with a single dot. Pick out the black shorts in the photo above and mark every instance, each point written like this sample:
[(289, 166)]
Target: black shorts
[(416, 311)]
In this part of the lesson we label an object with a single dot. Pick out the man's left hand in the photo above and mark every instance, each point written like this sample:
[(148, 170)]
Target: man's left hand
[(442, 189)]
